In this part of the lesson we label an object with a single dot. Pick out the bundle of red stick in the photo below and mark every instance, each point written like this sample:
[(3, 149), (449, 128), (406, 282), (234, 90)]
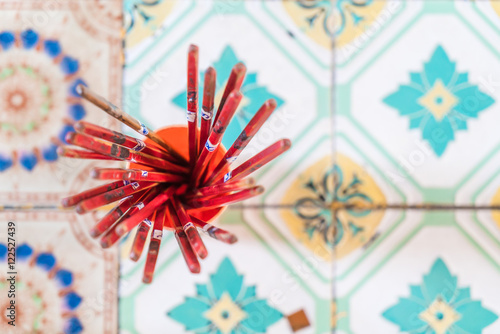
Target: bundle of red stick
[(162, 189)]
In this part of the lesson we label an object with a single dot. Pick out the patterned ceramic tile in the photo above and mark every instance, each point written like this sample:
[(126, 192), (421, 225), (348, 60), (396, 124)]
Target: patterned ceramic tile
[(278, 67), (423, 100), (435, 277), (233, 294), (65, 282), (46, 50)]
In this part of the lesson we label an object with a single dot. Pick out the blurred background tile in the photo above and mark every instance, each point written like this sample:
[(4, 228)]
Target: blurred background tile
[(262, 283), (46, 50), (65, 282), (431, 274)]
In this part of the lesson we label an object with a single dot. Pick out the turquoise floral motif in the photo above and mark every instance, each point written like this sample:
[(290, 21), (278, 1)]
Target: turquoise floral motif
[(439, 306), (439, 101), (225, 306), (135, 8), (345, 8), (254, 95), (322, 10)]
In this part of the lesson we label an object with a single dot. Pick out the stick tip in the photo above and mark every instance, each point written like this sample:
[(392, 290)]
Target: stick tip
[(61, 151), (240, 67), (69, 137), (193, 48), (287, 143), (79, 89), (271, 103), (94, 173)]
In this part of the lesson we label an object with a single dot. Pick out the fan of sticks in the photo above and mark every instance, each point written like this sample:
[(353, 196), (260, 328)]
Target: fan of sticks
[(177, 179)]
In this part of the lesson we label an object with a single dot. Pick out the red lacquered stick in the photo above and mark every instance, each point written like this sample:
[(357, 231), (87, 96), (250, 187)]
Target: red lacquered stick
[(222, 188), (140, 237), (257, 161), (216, 134), (190, 230), (125, 118), (244, 138), (134, 174), (233, 84), (132, 143), (215, 232), (154, 245), (111, 217), (187, 251), (120, 152), (208, 106), (111, 196), (112, 236), (192, 102), (63, 151), (129, 223), (75, 199), (221, 200)]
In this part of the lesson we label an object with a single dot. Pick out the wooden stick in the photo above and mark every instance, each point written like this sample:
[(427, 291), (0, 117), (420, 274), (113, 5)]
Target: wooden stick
[(190, 230), (233, 84), (125, 118), (75, 199), (215, 232), (154, 245), (140, 238), (218, 189), (192, 103), (111, 217), (120, 152), (67, 152), (135, 175), (186, 249), (216, 134), (244, 138), (112, 235), (257, 161), (208, 106), (155, 204), (132, 143), (214, 202), (112, 196)]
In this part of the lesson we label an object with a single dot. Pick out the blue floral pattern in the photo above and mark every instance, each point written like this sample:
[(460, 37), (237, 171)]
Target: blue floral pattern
[(439, 101), (33, 72), (38, 300), (225, 306), (439, 306), (254, 95)]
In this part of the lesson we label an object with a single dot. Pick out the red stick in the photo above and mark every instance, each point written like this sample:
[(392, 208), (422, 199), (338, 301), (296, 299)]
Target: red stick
[(113, 235), (132, 143), (208, 106), (186, 249), (192, 102), (233, 84), (120, 152), (221, 200), (140, 237), (257, 161), (215, 232), (190, 230), (134, 174), (129, 223), (75, 199), (222, 188), (115, 214), (111, 196), (244, 138), (154, 245), (67, 152), (216, 134)]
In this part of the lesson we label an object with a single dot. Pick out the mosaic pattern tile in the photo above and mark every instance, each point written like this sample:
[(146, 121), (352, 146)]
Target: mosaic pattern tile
[(45, 52), (65, 283)]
